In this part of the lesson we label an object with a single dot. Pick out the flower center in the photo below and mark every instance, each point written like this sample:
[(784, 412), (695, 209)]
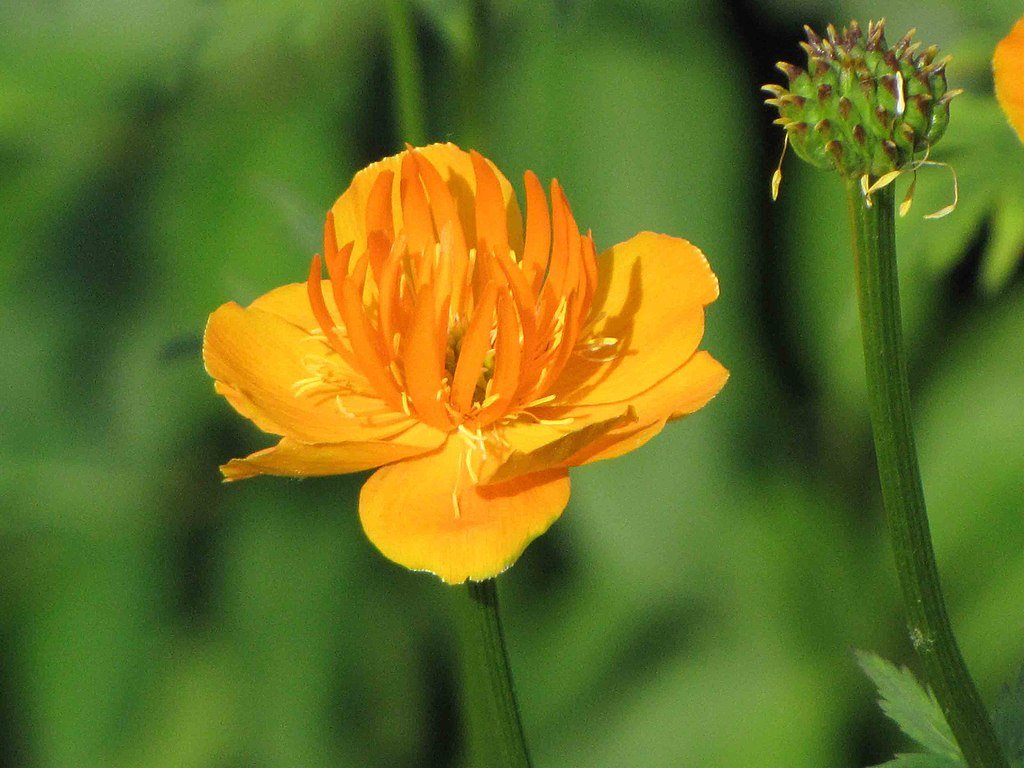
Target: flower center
[(452, 327)]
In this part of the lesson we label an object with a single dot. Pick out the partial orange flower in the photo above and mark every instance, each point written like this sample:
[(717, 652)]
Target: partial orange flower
[(471, 362), (1008, 69)]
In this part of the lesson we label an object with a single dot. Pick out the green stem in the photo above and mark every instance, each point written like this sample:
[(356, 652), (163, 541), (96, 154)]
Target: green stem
[(496, 738), (407, 73), (470, 67), (889, 402)]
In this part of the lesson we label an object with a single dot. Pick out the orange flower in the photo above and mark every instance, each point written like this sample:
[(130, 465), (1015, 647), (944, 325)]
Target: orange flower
[(1008, 68), (473, 363)]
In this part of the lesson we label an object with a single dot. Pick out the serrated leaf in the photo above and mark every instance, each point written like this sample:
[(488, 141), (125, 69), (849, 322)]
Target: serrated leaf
[(1008, 719), (922, 760), (911, 706)]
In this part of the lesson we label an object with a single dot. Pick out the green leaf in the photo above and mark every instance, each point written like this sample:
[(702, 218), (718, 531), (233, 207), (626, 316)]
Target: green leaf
[(911, 706), (920, 760), (1008, 719)]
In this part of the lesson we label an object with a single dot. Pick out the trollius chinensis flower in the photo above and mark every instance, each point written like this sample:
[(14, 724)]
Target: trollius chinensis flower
[(469, 359)]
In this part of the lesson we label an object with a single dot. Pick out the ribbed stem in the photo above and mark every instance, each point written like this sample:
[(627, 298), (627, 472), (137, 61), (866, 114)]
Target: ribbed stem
[(889, 402), (407, 73), (496, 738)]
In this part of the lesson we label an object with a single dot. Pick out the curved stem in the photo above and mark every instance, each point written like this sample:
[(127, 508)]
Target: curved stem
[(889, 402), (407, 73), (496, 738)]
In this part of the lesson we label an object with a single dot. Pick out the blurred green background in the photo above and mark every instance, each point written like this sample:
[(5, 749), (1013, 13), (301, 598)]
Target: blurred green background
[(697, 603)]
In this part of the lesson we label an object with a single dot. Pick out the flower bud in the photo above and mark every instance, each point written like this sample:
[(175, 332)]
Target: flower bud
[(860, 106)]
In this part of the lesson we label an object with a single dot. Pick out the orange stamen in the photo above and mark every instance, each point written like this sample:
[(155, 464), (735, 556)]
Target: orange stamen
[(365, 343), (418, 224), (390, 309), (442, 204), (330, 239), (423, 362), (538, 231), (476, 343), (507, 362), (314, 288), (379, 215), (590, 266), (491, 221), (410, 289)]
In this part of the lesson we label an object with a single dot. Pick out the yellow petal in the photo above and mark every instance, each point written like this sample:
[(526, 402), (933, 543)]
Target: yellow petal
[(245, 406), (605, 431), (535, 447), (426, 514), (687, 390), (1008, 69), (291, 303), (455, 168), (652, 290), (294, 459), (259, 357)]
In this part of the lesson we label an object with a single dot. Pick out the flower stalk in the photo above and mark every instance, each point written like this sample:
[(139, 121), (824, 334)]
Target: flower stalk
[(406, 72), (889, 404), (496, 738)]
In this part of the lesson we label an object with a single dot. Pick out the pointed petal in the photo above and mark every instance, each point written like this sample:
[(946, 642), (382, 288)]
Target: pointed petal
[(291, 458), (1008, 70), (442, 204), (476, 343), (380, 215), (651, 294), (261, 357), (367, 346), (491, 224), (508, 355), (423, 362), (408, 512), (419, 224), (537, 248)]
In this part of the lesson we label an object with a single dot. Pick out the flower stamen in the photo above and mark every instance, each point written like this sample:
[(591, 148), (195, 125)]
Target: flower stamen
[(448, 331)]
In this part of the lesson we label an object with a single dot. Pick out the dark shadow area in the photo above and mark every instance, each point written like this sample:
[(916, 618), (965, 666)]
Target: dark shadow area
[(376, 132), (100, 242), (444, 744), (13, 749)]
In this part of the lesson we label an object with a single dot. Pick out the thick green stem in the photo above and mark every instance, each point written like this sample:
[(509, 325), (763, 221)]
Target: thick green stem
[(496, 738), (889, 401), (407, 73)]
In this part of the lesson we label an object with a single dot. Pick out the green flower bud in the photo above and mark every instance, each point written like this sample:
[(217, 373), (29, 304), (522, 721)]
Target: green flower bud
[(861, 107)]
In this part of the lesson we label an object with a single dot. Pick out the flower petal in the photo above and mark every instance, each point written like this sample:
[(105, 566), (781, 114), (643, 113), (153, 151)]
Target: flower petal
[(1008, 69), (291, 303), (652, 290), (408, 511), (536, 447), (294, 459), (259, 357), (605, 431), (455, 168), (687, 390), (247, 408)]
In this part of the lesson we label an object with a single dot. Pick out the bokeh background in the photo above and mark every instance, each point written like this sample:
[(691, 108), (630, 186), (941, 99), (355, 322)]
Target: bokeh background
[(698, 602)]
